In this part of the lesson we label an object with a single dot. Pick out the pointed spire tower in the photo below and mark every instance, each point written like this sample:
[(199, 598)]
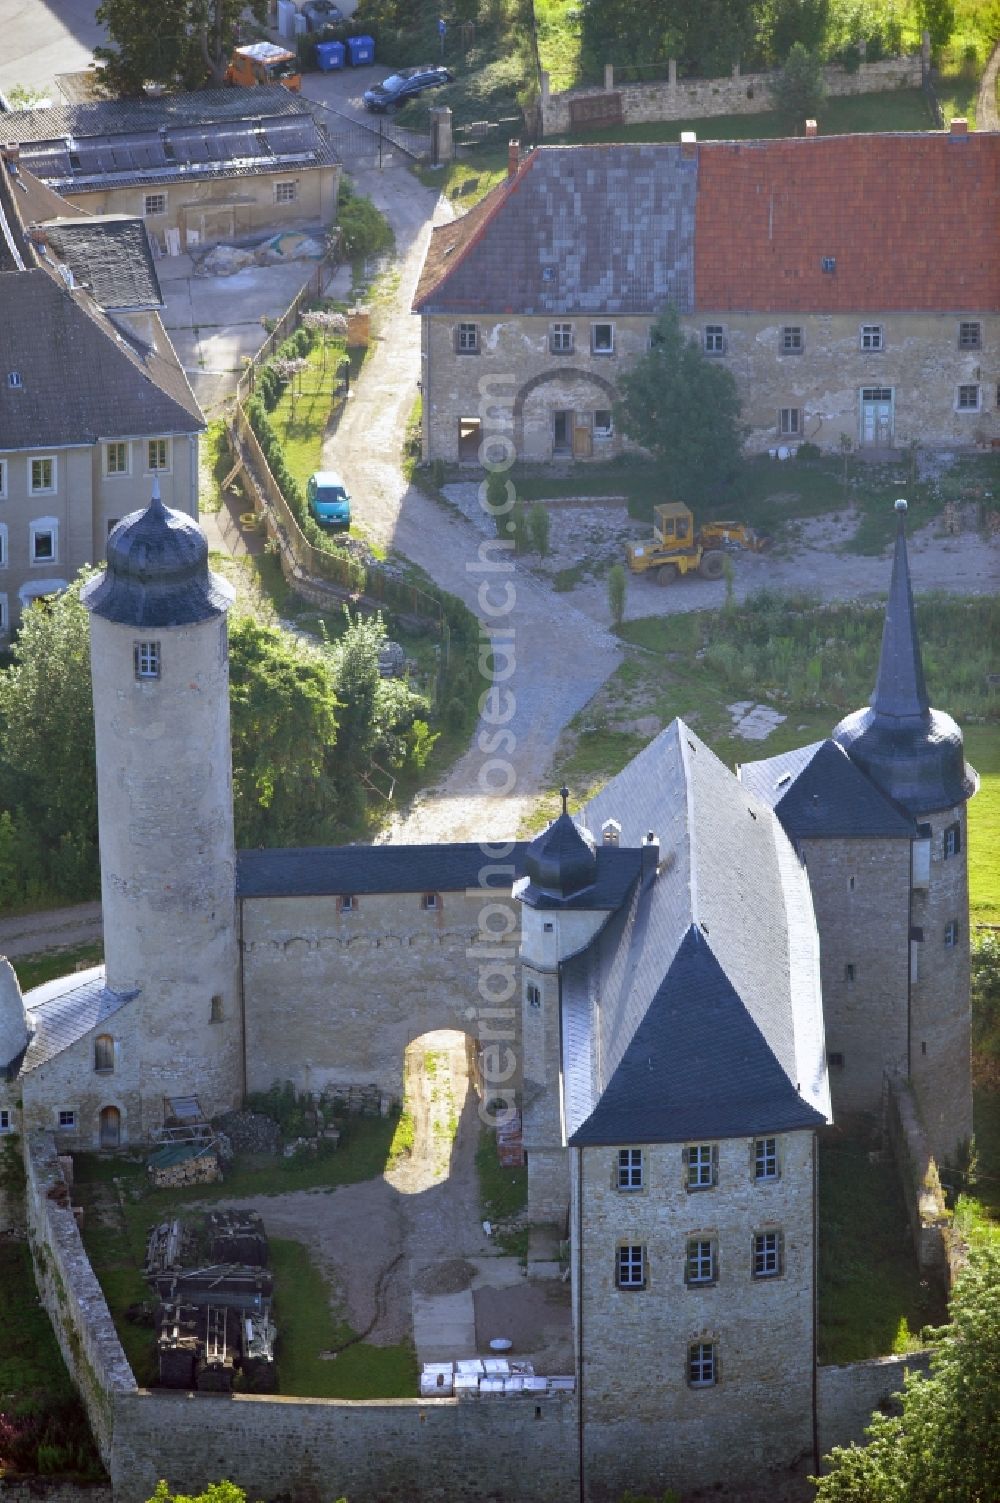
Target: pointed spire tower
[(913, 753)]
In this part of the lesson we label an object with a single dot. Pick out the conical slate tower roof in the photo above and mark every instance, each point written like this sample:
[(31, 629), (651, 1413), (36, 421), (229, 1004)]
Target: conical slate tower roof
[(157, 573), (913, 753)]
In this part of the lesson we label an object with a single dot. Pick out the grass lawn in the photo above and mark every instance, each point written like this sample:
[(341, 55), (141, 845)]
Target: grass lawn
[(986, 1117), (301, 416), (469, 177), (34, 970), (982, 749), (871, 1300), (503, 1193)]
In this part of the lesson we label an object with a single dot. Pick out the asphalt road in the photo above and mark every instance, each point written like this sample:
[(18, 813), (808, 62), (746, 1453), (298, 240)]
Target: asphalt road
[(44, 37)]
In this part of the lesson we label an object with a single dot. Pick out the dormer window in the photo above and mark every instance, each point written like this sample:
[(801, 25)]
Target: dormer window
[(611, 832)]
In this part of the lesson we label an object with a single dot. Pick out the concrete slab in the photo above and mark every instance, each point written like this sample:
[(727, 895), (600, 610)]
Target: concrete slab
[(497, 1273), (444, 1326)]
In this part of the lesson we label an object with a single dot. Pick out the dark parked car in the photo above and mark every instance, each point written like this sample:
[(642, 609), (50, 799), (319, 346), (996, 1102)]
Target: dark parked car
[(407, 84), (320, 13)]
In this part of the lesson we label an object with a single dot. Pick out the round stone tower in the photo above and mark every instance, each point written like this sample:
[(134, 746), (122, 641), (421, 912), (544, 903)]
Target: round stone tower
[(159, 662), (915, 755)]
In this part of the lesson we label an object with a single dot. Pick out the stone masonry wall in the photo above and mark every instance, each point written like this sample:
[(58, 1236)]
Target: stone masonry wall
[(846, 1396), (742, 94), (925, 1202), (52, 1490), (69, 1081), (645, 1428), (71, 1294), (479, 1450)]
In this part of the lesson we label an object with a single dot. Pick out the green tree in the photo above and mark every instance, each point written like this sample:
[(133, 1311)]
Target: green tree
[(946, 1442), (186, 41), (986, 994), (684, 409), (539, 524), (782, 23), (617, 586), (937, 17), (798, 90)]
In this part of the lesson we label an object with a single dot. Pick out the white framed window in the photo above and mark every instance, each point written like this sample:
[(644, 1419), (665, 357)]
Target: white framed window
[(602, 339), (154, 203), (951, 934), (6, 1119), (792, 342), (157, 455), (715, 339), (790, 421), (702, 1364), (3, 479), (967, 398), (429, 901), (701, 1166), (116, 458), (43, 474), (533, 995), (765, 1158), (104, 1054), (970, 335), (952, 841), (346, 903), (3, 545), (630, 1266), (603, 422), (43, 540), (561, 339), (66, 1118), (872, 337), (467, 339), (286, 192), (629, 1169), (701, 1264), (146, 659), (768, 1254)]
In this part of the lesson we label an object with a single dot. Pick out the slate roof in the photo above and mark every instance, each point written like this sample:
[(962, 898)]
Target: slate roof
[(325, 870), (109, 255), (178, 137), (886, 207), (710, 1018), (818, 793), (64, 1010), (83, 379), (601, 229)]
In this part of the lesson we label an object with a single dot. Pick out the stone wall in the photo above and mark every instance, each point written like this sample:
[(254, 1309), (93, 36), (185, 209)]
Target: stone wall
[(693, 98), (925, 1203), (71, 1294), (52, 1490), (846, 1396), (479, 1450)]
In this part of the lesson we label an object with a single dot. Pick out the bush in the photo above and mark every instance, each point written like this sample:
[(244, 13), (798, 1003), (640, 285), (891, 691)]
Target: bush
[(364, 230), (539, 523), (617, 587), (808, 453)]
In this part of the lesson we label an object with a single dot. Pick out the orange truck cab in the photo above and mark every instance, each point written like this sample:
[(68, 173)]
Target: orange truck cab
[(264, 63)]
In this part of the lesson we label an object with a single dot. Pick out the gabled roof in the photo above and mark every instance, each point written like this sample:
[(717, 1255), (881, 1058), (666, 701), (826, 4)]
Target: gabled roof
[(64, 1010), (818, 793), (885, 208), (109, 256), (601, 229), (327, 870), (723, 934)]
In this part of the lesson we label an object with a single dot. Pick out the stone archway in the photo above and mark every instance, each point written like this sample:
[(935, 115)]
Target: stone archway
[(555, 412)]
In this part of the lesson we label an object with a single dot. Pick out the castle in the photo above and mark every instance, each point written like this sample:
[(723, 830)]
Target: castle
[(677, 989)]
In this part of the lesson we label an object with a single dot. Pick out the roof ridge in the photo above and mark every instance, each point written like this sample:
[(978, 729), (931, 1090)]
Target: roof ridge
[(503, 191)]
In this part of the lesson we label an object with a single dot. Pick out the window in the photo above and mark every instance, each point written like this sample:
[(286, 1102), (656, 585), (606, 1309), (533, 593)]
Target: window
[(533, 995), (790, 421), (6, 1119), (3, 545), (970, 336), (767, 1255), (104, 1053), (702, 1164), (154, 203), (116, 459), (14, 380), (849, 971), (3, 479), (157, 455), (700, 1264), (346, 903), (216, 1013), (835, 1061), (715, 339), (951, 934), (146, 659), (66, 1118), (702, 1365), (286, 193), (603, 422), (602, 339), (791, 340), (468, 339), (4, 617), (44, 536), (630, 1267), (850, 884), (871, 337), (429, 900), (765, 1158), (41, 476), (968, 398), (561, 339), (630, 1168), (952, 841)]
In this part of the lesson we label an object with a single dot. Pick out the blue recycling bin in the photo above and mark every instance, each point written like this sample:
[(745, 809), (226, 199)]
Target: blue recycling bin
[(360, 50), (329, 56)]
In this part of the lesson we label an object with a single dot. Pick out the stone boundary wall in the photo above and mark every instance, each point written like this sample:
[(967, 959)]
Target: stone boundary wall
[(693, 98), (925, 1203), (52, 1490), (846, 1396), (71, 1294)]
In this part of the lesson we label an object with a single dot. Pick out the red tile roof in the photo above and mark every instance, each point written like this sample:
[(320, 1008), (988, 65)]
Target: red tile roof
[(912, 221)]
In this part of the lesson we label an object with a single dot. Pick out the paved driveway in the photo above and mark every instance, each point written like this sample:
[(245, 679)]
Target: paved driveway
[(44, 37)]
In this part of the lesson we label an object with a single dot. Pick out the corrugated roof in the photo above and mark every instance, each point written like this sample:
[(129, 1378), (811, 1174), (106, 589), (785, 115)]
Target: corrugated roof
[(911, 220), (601, 229), (818, 793), (64, 1010), (109, 256)]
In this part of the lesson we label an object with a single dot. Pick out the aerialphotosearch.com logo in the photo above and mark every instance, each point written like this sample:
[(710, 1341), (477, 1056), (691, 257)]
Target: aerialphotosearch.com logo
[(495, 948)]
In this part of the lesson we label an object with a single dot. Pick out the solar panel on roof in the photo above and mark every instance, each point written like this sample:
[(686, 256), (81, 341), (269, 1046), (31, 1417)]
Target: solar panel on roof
[(47, 158), (189, 146), (149, 152), (285, 136)]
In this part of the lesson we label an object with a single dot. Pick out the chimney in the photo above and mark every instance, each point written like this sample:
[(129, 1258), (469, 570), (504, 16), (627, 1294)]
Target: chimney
[(38, 235), (513, 157), (689, 145), (10, 153), (649, 857), (812, 128), (959, 126)]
